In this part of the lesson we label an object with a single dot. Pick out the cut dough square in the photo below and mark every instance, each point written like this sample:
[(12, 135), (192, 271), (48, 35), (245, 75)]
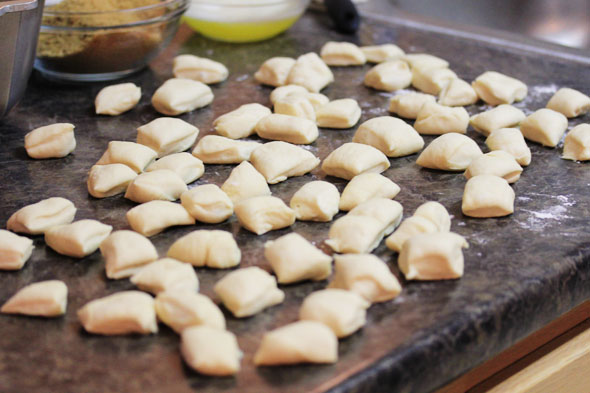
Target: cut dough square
[(15, 250), (288, 128), (511, 141), (366, 159), (317, 100), (136, 156), (496, 88), (167, 135), (457, 93), (381, 53), (208, 203), (449, 152), (343, 113), (40, 299), (497, 163), (125, 253), (187, 166), (262, 214), (502, 116), (409, 105), (366, 186), (243, 182), (78, 239), (389, 76), (282, 92), (310, 72), (424, 60), (274, 71), (108, 180), (240, 122), (431, 80), (166, 274), (544, 126), (297, 105), (177, 96), (342, 54), (487, 196), (435, 213), (355, 234), (116, 99), (199, 69), (210, 351), (183, 309), (387, 212), (435, 119), (52, 141), (153, 217), (212, 248), (38, 217), (215, 149), (393, 137), (277, 161), (577, 144), (316, 201), (162, 184), (569, 102)]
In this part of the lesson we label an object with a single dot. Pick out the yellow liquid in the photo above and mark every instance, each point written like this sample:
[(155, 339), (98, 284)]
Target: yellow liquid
[(240, 32)]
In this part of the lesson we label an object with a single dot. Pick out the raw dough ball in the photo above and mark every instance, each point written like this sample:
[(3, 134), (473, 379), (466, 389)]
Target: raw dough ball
[(116, 99), (457, 93), (248, 291), (274, 71), (389, 76), (167, 135), (544, 126), (366, 186), (342, 54), (215, 149), (310, 72), (210, 351), (277, 161), (435, 213), (288, 128), (120, 313), (317, 100), (108, 180), (497, 163), (243, 182), (40, 299), (297, 105), (387, 212), (166, 274), (355, 234), (211, 248), (432, 256), (125, 253), (38, 217), (424, 60), (282, 92), (240, 122), (495, 88), (298, 342), (208, 203), (342, 311), (294, 259), (431, 80), (577, 144), (78, 239), (339, 162), (187, 166), (178, 95), (15, 250), (316, 201), (569, 102), (162, 184), (408, 105), (435, 119), (449, 152), (365, 275), (264, 213), (487, 196), (343, 113), (183, 309), (52, 141), (199, 69), (394, 137), (502, 116), (153, 217), (511, 141), (134, 155), (381, 53)]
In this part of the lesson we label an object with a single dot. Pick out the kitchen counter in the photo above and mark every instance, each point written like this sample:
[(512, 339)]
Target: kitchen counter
[(521, 271)]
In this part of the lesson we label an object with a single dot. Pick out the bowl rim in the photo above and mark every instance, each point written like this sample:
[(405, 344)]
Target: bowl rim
[(241, 4)]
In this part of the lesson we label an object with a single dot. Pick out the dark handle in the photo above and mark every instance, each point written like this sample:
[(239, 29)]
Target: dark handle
[(344, 15)]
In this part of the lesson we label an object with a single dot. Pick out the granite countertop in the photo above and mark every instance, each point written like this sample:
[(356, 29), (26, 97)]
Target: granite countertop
[(521, 271)]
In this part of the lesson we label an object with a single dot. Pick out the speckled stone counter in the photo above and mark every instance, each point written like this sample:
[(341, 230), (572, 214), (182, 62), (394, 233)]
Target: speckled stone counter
[(521, 272)]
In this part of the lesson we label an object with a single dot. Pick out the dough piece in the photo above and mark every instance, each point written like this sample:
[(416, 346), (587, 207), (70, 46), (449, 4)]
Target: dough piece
[(274, 71), (310, 72), (136, 156), (166, 274), (457, 93), (210, 351), (408, 105), (497, 163), (240, 122), (511, 141), (280, 93), (262, 214), (435, 213), (199, 69), (167, 135), (183, 309), (208, 203), (569, 102), (381, 53), (316, 201), (52, 141), (544, 126), (15, 250), (153, 217), (389, 76), (317, 100), (125, 253), (162, 184), (487, 196), (367, 159), (342, 311), (248, 291), (211, 248), (243, 182), (108, 180), (366, 186), (435, 119), (294, 259), (502, 116), (449, 152), (215, 149), (41, 299), (297, 105), (431, 80), (432, 256), (343, 113), (123, 312), (277, 161), (577, 143), (187, 166), (342, 54), (177, 96), (298, 342), (393, 137), (288, 128), (38, 217), (387, 212), (116, 99), (424, 60), (355, 234), (78, 239), (365, 275), (495, 88)]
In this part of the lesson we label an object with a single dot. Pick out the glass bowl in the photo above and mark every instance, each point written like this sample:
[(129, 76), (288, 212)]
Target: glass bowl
[(243, 20), (104, 45)]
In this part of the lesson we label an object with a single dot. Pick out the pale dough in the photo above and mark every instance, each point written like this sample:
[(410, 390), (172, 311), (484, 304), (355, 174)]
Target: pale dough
[(342, 54), (15, 250), (409, 105), (569, 102), (264, 213), (424, 60), (577, 143), (136, 156), (342, 113), (153, 217), (394, 137), (498, 163), (297, 105), (108, 180), (366, 186), (511, 141), (38, 217), (436, 213), (311, 72), (449, 152), (210, 351), (212, 248), (167, 135), (207, 203), (78, 239), (389, 76), (243, 182), (381, 53), (355, 234), (166, 274), (52, 141), (366, 159), (215, 149), (544, 126), (177, 96), (317, 100), (199, 69), (502, 116), (316, 201), (287, 128), (487, 196), (240, 122), (187, 166), (125, 253), (181, 309), (431, 80), (116, 99), (162, 184), (436, 119), (278, 160), (495, 88), (457, 93), (387, 212), (282, 92), (40, 299), (274, 71)]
